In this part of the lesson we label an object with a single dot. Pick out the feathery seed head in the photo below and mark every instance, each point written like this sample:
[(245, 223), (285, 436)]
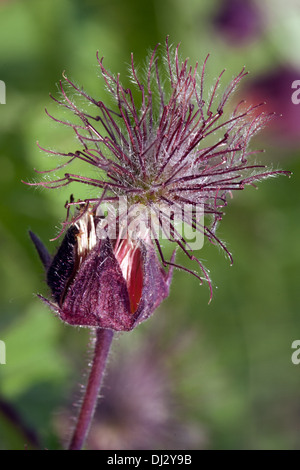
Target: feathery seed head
[(176, 151)]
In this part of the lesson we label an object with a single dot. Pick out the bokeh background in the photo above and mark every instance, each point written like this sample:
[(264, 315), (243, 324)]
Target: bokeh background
[(196, 376)]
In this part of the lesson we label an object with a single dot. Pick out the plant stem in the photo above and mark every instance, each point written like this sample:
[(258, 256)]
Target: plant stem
[(102, 346), (20, 427)]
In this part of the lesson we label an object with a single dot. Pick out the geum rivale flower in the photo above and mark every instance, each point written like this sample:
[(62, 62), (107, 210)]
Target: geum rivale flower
[(178, 148)]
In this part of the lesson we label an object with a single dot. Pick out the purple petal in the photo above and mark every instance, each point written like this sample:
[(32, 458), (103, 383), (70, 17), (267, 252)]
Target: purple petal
[(156, 284), (98, 296)]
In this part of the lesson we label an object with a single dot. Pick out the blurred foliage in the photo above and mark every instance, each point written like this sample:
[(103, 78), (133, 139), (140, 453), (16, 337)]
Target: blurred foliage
[(232, 377)]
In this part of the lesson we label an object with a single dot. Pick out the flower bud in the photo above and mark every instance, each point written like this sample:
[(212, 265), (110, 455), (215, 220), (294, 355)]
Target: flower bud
[(103, 283)]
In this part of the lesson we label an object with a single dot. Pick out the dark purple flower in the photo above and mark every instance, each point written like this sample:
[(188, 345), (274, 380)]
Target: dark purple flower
[(239, 21), (106, 286), (275, 88), (177, 150)]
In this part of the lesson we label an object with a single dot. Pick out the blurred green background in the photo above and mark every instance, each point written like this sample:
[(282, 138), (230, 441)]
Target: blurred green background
[(218, 376)]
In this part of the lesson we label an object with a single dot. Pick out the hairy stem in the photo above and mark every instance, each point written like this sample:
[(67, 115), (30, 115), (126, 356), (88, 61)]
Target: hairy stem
[(102, 345)]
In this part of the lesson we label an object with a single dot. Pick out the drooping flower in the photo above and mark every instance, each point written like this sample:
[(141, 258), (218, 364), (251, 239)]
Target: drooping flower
[(176, 151), (103, 283)]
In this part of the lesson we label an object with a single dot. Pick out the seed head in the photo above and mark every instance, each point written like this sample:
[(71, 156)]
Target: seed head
[(170, 147)]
